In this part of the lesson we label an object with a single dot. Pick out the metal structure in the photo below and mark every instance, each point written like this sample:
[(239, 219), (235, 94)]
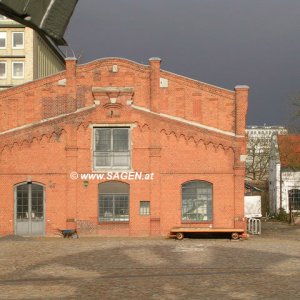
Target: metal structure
[(180, 232), (254, 226), (48, 17)]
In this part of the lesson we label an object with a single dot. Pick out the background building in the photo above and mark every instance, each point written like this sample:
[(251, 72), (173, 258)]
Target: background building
[(258, 150), (25, 54), (284, 182)]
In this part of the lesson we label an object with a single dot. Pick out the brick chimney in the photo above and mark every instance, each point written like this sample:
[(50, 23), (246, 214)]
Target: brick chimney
[(71, 83), (241, 107), (71, 63), (155, 83)]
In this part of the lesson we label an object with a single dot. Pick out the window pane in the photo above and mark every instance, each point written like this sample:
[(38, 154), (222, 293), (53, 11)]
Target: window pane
[(103, 139), (2, 39), (106, 207), (120, 139), (113, 187), (37, 201), (121, 207), (102, 159), (22, 202), (145, 208), (113, 201), (18, 69), (294, 198), (197, 201), (111, 147), (2, 70), (121, 159), (18, 40)]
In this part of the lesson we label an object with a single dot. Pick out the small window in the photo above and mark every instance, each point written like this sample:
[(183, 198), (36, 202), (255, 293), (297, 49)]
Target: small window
[(18, 69), (294, 199), (2, 70), (18, 40), (3, 40), (111, 148), (144, 208)]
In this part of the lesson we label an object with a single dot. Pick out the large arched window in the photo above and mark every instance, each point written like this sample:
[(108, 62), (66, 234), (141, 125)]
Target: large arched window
[(294, 199), (113, 201), (196, 201)]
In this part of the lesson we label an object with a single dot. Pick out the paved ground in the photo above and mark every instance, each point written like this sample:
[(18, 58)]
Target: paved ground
[(265, 267)]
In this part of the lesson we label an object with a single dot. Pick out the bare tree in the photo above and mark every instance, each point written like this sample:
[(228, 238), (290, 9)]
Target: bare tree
[(258, 157), (294, 126)]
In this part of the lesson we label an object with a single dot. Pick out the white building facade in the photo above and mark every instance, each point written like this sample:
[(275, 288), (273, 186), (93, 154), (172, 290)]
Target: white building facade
[(258, 150), (25, 55)]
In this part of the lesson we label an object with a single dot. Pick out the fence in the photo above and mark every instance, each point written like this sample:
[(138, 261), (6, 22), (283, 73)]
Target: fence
[(254, 226)]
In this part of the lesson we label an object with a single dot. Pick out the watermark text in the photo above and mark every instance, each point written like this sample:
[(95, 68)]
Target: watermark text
[(112, 176)]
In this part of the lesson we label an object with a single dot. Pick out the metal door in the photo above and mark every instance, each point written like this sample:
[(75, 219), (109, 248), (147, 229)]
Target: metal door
[(29, 209)]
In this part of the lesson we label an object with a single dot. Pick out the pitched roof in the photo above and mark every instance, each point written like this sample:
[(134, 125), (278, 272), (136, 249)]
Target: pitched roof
[(289, 151)]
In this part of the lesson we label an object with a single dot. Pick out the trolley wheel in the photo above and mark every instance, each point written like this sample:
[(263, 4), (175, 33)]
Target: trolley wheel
[(235, 236), (179, 236)]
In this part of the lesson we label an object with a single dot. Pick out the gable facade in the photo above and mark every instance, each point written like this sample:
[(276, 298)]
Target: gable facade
[(113, 147)]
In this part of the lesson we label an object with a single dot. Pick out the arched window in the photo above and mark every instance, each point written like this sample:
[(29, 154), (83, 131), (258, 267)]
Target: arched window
[(196, 201), (113, 201), (294, 199)]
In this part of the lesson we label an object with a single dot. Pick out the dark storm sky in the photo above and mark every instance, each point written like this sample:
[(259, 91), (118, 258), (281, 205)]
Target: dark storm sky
[(222, 42)]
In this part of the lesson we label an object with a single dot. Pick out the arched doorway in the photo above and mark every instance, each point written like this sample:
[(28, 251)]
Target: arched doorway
[(29, 209)]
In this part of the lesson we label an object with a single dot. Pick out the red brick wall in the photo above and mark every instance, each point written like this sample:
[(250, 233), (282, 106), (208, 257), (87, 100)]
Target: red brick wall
[(186, 98), (176, 152)]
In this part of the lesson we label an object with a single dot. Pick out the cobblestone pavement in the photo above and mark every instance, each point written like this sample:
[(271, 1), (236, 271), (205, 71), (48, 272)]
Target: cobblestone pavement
[(263, 267)]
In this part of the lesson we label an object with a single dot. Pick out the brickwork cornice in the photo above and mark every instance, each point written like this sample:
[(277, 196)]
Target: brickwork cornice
[(188, 134), (46, 129), (103, 62), (29, 86), (82, 119), (200, 85)]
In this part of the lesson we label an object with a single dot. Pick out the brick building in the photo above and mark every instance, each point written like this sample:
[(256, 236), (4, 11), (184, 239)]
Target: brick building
[(115, 115)]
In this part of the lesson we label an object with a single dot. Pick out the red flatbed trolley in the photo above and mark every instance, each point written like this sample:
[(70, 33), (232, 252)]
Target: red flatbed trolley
[(179, 232)]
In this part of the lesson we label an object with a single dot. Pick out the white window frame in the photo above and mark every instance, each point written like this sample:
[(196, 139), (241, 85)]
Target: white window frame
[(114, 213), (13, 38), (12, 69), (197, 203), (5, 75), (295, 196), (5, 38), (144, 208), (111, 167)]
